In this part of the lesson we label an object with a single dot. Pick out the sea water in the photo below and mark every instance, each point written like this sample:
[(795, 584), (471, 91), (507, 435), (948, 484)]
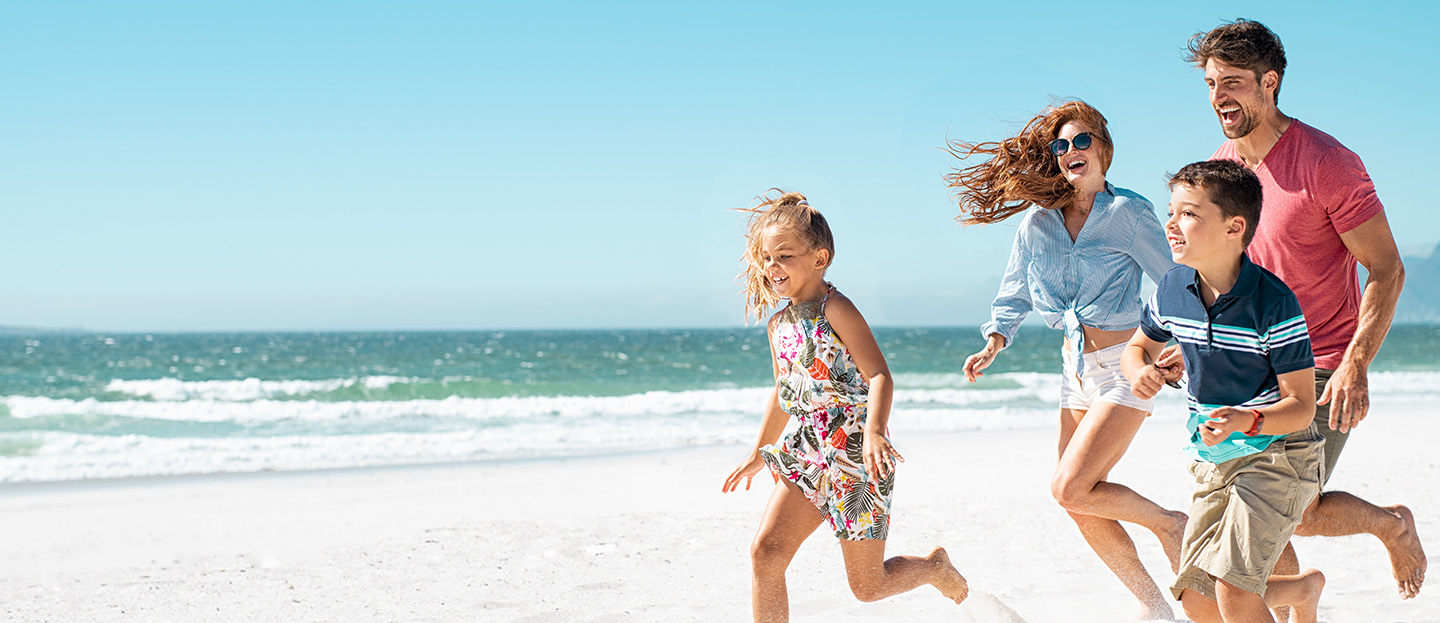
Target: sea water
[(84, 405)]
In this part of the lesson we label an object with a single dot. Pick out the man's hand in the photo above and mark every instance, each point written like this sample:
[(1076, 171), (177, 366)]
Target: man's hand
[(1348, 394)]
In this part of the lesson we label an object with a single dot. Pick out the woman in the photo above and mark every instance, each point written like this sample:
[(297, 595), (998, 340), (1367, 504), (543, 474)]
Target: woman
[(1077, 258)]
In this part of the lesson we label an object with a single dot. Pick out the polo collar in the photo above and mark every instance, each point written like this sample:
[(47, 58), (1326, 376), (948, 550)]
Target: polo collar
[(1245, 283)]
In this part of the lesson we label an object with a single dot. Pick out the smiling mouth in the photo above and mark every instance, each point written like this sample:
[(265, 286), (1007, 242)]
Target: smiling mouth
[(1228, 114), (776, 281), (1175, 243), (1075, 166)]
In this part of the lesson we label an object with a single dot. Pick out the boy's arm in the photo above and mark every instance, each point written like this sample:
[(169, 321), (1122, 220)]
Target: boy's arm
[(1294, 412), (1145, 379)]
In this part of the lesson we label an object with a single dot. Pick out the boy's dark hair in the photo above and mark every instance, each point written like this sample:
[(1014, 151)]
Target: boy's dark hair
[(1242, 43), (1229, 185)]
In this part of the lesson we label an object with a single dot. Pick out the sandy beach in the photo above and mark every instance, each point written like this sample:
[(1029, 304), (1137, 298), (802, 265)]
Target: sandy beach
[(643, 537)]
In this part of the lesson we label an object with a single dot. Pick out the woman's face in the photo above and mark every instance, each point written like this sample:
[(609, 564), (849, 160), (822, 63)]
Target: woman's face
[(1083, 168)]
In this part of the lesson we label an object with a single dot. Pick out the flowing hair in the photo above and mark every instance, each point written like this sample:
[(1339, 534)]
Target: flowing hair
[(1020, 171), (783, 209)]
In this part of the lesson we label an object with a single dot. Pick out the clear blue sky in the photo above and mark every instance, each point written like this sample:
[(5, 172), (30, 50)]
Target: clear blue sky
[(454, 165)]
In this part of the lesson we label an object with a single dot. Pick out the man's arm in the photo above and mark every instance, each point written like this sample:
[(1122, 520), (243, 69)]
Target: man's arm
[(1348, 391)]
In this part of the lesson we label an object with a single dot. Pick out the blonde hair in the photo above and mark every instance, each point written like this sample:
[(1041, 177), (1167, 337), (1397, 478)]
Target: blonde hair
[(777, 208)]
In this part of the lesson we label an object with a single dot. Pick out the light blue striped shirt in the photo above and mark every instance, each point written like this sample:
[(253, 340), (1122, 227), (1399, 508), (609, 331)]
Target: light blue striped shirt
[(1093, 281)]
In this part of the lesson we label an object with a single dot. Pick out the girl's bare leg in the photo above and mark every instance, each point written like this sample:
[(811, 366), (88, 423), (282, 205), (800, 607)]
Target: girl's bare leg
[(873, 578), (1091, 443), (788, 520)]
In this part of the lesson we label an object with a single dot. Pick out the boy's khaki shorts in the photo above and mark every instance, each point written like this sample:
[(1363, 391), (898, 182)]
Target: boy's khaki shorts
[(1245, 510)]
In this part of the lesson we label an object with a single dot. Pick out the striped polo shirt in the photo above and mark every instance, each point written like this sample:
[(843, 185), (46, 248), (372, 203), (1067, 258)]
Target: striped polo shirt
[(1233, 350)]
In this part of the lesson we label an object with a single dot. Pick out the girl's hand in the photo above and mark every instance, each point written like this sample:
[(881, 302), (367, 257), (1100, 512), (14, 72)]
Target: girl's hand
[(1224, 421), (880, 456), (977, 362), (747, 470)]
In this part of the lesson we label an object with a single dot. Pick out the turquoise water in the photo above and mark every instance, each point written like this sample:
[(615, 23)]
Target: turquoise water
[(76, 406)]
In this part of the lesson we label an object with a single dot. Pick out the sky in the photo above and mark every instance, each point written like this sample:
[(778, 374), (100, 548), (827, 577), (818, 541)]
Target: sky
[(275, 166)]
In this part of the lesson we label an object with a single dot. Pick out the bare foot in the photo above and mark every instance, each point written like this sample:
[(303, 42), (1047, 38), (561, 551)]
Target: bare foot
[(1170, 535), (948, 580), (1306, 610), (1407, 556)]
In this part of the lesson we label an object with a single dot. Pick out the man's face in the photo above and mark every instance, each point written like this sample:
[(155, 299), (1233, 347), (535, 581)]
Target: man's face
[(1238, 97)]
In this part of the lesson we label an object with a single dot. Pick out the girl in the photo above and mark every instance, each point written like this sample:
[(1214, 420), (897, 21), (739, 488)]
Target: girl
[(1077, 258), (837, 466)]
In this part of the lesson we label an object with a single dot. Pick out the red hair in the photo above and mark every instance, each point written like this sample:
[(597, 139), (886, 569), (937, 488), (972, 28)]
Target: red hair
[(1020, 171)]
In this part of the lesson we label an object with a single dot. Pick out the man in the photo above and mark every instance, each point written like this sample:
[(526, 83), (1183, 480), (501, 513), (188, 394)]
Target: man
[(1321, 215)]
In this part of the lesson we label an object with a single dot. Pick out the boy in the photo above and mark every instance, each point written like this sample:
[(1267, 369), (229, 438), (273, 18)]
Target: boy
[(1251, 381)]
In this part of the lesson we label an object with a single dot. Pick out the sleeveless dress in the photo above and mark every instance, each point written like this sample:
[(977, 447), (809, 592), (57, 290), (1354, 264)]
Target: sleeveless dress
[(821, 387)]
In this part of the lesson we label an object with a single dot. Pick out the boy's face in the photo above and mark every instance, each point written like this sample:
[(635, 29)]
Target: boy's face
[(1197, 232)]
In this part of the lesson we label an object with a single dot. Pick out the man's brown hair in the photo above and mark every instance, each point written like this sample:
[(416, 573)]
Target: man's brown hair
[(1242, 43)]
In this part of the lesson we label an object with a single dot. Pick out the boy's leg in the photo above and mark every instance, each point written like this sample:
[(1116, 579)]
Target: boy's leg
[(1199, 608), (1289, 564), (1238, 605), (788, 520), (1299, 592), (873, 578), (1336, 513)]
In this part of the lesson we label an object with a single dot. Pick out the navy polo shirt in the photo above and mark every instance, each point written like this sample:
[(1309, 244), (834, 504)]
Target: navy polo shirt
[(1233, 349)]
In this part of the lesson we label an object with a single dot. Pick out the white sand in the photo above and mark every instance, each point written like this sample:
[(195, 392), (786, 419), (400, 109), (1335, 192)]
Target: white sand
[(636, 538)]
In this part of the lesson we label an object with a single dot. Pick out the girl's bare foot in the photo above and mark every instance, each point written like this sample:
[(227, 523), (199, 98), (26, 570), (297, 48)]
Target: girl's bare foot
[(1407, 557), (947, 579)]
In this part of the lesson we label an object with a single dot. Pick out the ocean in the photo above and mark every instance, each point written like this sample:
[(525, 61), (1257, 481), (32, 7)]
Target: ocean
[(76, 406)]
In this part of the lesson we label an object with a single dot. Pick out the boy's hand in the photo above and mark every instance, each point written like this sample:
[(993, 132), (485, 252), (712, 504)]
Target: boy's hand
[(1172, 365), (1224, 421), (1148, 383)]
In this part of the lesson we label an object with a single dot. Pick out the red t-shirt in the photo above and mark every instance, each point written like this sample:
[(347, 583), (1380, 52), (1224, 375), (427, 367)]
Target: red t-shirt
[(1315, 189)]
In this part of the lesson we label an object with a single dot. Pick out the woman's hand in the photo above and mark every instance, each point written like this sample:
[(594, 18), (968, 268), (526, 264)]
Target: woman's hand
[(879, 455), (746, 470), (981, 360)]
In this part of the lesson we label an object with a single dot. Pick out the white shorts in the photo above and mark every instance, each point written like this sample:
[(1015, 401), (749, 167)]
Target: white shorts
[(1101, 382)]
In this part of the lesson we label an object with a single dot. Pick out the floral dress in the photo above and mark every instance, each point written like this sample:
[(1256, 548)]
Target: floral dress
[(820, 385)]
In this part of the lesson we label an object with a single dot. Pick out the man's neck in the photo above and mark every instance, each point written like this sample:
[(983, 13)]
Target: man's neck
[(1253, 147)]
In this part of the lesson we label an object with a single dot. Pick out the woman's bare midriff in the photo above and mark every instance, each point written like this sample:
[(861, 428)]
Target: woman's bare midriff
[(1096, 339)]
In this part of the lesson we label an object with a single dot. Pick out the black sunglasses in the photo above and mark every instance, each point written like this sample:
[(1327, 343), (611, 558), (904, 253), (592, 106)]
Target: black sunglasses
[(1060, 146)]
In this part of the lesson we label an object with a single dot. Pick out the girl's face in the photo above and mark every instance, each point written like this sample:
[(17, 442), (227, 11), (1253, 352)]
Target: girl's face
[(795, 270), (1081, 167)]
